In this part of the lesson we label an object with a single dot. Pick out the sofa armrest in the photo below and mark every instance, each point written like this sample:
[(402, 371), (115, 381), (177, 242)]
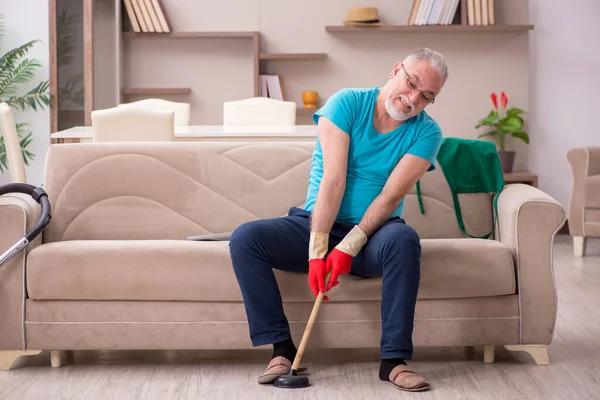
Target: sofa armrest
[(528, 220), (19, 213), (584, 162)]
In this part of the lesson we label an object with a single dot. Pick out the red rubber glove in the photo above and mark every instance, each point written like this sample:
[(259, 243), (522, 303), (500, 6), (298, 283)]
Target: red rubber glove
[(340, 259), (339, 263), (317, 270)]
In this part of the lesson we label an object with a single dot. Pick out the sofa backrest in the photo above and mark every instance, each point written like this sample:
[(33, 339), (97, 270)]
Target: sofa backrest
[(173, 190)]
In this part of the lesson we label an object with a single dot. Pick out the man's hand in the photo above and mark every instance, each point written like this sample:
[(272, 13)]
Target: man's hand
[(317, 269), (340, 259)]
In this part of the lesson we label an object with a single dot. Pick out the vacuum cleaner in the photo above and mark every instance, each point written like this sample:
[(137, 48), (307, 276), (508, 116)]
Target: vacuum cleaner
[(40, 196)]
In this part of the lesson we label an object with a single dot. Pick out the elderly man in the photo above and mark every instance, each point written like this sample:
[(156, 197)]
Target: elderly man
[(373, 145)]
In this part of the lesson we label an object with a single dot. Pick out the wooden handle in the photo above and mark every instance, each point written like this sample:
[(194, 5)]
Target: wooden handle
[(309, 326)]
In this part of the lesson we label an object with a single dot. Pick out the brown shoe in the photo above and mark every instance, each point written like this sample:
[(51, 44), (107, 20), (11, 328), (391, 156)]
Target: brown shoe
[(277, 367), (403, 378)]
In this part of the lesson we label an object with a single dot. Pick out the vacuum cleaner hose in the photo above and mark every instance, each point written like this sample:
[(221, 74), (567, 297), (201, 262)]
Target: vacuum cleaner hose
[(40, 196)]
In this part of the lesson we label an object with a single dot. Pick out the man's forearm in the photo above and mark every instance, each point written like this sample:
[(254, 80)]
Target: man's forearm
[(380, 210), (327, 205)]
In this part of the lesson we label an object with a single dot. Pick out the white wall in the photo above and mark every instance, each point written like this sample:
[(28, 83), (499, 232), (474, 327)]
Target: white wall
[(220, 70), (564, 79), (565, 85), (27, 20)]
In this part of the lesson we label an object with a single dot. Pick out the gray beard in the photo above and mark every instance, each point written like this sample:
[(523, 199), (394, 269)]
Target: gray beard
[(396, 114)]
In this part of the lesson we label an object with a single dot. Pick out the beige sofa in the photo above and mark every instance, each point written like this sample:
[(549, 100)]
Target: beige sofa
[(584, 204), (115, 271)]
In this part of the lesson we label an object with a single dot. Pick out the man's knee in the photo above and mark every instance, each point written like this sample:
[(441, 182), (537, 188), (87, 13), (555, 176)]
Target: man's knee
[(400, 240), (246, 235)]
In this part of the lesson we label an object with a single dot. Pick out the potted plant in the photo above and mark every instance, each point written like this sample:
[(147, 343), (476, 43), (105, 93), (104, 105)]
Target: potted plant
[(16, 70), (504, 123)]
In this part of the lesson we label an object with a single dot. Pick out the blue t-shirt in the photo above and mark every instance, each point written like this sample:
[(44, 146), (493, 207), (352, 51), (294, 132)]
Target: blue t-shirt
[(372, 156)]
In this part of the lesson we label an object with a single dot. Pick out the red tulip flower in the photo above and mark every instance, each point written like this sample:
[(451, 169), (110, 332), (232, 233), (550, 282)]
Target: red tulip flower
[(503, 100), (494, 100)]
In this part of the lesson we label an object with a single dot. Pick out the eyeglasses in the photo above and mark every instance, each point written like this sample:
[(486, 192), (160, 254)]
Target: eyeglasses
[(425, 97)]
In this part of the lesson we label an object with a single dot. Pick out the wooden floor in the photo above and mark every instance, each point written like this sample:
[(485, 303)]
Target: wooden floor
[(574, 372)]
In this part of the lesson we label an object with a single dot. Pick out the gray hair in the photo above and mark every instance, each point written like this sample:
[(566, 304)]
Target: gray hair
[(435, 59)]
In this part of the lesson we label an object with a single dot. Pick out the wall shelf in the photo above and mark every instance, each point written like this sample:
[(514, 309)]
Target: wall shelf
[(301, 110), (205, 34), (262, 60), (155, 91), (430, 28), (292, 56)]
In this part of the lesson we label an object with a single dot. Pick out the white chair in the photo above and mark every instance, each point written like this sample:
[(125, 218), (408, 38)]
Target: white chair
[(182, 110), (261, 111), (133, 125), (14, 156)]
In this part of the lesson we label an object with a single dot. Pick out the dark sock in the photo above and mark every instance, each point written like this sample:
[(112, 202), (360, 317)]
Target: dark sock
[(285, 349), (386, 367)]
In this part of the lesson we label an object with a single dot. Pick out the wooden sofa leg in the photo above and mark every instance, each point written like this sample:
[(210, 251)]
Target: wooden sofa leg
[(58, 358), (539, 352), (8, 357), (488, 354), (579, 243)]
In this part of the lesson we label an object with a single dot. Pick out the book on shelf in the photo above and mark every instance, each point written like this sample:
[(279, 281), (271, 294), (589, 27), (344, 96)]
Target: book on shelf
[(434, 12), (131, 14), (270, 86), (447, 12), (146, 16), (481, 12), (153, 17)]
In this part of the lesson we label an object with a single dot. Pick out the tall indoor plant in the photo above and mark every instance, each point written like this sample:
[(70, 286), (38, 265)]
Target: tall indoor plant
[(16, 70), (503, 124)]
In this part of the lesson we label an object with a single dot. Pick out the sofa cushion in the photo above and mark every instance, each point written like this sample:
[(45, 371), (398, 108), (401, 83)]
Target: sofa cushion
[(201, 271), (592, 191), (170, 191)]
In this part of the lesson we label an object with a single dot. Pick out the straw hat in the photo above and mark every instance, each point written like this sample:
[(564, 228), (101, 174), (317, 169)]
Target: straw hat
[(362, 16)]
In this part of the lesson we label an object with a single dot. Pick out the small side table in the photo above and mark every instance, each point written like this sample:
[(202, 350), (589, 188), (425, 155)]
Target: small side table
[(521, 177)]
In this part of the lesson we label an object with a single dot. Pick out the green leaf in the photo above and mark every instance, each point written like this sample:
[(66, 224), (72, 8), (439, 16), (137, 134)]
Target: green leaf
[(521, 135), (17, 70), (491, 119), (9, 60), (513, 112), (492, 115), (37, 96), (25, 139), (24, 73), (511, 124)]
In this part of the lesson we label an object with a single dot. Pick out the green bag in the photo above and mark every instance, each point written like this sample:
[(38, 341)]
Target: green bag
[(470, 166)]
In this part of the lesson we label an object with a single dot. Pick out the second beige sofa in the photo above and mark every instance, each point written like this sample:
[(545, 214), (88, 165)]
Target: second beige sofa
[(584, 204)]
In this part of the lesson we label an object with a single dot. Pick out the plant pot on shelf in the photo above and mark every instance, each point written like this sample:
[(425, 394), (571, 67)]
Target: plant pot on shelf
[(503, 124), (507, 160)]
